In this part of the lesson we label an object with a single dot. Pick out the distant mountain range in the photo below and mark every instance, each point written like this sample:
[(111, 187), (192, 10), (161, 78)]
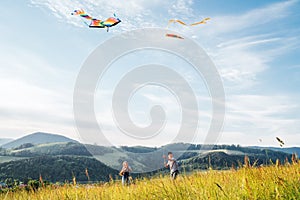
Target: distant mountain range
[(58, 158), (289, 150), (37, 138)]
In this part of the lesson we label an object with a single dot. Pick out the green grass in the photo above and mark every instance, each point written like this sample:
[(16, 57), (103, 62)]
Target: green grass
[(246, 183)]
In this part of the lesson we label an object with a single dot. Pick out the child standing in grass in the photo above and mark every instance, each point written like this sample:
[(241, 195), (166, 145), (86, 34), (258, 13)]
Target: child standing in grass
[(125, 173), (173, 165)]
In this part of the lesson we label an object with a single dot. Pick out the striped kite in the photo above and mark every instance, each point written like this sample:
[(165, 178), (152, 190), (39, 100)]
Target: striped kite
[(97, 23), (193, 24), (184, 24), (174, 36)]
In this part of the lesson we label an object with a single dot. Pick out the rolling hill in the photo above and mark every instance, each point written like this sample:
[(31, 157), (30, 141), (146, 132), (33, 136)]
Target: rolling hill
[(289, 150), (37, 138), (221, 160), (52, 153), (56, 168), (146, 159)]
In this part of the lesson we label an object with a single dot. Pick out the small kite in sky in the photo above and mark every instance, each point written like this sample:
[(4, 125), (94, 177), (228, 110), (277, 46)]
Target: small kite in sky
[(174, 36), (97, 23), (281, 143), (182, 23), (193, 24)]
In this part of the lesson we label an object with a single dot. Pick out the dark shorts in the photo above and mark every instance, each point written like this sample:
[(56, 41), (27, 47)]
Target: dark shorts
[(174, 174), (126, 175), (125, 178)]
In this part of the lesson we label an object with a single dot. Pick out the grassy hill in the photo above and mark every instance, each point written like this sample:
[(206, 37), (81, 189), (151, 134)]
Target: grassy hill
[(60, 148), (289, 150), (37, 138), (272, 182), (221, 160)]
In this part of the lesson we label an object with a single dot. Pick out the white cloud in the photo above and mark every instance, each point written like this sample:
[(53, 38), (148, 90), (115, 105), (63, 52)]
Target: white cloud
[(133, 13), (243, 46), (246, 42), (252, 19), (182, 8), (255, 117), (28, 108), (34, 95)]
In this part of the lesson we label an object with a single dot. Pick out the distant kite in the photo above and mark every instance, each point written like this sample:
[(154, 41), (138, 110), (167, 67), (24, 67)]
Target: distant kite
[(184, 24), (281, 143), (193, 24), (174, 36), (97, 23)]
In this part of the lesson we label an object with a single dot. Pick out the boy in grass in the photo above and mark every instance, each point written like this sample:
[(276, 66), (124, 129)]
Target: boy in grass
[(172, 164), (125, 173)]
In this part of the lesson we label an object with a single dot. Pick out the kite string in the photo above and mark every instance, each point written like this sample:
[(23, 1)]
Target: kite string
[(85, 22)]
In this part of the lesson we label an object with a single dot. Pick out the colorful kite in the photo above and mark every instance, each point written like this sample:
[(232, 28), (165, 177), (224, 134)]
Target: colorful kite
[(281, 143), (174, 36), (193, 24), (97, 23), (184, 24)]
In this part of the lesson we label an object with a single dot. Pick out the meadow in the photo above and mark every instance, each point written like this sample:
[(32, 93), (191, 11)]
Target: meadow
[(269, 182)]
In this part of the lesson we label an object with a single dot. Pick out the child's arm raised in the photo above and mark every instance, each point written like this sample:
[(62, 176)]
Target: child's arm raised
[(166, 164)]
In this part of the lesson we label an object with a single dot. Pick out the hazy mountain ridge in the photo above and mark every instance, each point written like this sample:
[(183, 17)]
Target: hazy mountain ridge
[(5, 141), (37, 138), (221, 160), (289, 150), (60, 148), (65, 153)]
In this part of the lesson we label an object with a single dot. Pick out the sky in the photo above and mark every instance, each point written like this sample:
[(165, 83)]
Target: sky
[(255, 46)]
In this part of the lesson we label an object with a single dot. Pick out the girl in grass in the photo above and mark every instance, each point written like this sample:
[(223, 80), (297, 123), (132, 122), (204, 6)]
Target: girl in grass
[(125, 173)]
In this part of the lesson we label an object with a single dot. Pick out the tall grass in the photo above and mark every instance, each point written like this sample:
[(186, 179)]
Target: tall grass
[(272, 182)]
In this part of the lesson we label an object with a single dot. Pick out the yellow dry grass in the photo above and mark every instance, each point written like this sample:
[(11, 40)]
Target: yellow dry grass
[(272, 182)]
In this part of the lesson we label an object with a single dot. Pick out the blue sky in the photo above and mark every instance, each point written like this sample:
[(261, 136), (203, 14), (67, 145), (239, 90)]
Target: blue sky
[(254, 45)]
